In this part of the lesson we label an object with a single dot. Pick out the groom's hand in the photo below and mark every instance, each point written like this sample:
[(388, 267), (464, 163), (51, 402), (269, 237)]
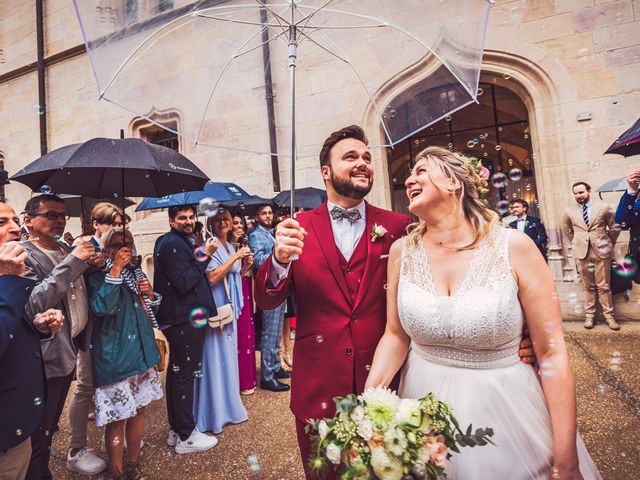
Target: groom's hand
[(289, 240), (526, 353)]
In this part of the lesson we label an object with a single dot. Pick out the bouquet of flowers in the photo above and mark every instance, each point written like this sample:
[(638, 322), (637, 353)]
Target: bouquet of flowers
[(377, 435)]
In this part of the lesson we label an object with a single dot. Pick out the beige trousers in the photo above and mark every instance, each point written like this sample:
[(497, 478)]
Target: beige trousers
[(15, 461), (596, 277), (82, 401)]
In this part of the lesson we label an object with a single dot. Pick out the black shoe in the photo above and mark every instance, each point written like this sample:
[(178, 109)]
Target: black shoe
[(282, 373), (274, 385)]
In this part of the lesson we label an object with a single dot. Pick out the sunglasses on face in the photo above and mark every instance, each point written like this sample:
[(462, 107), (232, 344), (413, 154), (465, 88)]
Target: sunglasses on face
[(51, 215)]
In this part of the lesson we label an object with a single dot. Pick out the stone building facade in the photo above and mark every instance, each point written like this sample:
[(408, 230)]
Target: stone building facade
[(566, 73)]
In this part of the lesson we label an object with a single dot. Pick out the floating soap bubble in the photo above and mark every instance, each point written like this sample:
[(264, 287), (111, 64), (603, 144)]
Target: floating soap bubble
[(625, 267), (470, 144), (323, 405), (547, 368), (392, 113), (208, 206), (502, 206), (176, 368), (197, 374), (603, 247), (45, 189), (448, 118), (615, 360), (498, 148), (573, 298), (499, 180), (480, 92), (601, 388), (200, 254), (591, 267), (38, 401), (515, 174), (198, 317), (506, 76)]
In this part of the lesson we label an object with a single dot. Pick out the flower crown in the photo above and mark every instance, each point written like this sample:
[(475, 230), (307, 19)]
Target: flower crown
[(481, 176)]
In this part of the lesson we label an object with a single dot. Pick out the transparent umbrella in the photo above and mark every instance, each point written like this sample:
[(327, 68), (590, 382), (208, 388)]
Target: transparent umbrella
[(229, 68)]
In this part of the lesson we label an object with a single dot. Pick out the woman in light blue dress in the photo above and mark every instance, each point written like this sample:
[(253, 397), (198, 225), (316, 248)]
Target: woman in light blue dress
[(217, 394)]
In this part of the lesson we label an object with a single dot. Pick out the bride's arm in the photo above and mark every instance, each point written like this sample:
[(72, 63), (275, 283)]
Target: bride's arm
[(539, 300), (394, 345)]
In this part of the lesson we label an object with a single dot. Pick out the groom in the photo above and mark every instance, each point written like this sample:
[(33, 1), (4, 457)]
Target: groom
[(339, 280)]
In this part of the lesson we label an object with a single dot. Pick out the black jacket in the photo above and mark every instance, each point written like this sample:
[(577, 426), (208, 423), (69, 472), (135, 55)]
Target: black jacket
[(180, 279), (628, 216), (534, 227), (22, 387)]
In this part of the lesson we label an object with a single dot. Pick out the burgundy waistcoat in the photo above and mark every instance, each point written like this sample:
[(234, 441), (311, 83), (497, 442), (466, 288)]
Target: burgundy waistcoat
[(353, 270)]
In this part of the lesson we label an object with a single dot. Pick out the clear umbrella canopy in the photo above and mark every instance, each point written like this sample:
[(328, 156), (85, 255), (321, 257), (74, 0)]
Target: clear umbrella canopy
[(393, 67)]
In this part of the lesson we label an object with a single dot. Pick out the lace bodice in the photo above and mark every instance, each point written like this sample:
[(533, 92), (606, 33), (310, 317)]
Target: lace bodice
[(478, 327)]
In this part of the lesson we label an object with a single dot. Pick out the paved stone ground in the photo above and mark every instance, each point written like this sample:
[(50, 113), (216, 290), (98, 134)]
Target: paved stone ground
[(608, 414)]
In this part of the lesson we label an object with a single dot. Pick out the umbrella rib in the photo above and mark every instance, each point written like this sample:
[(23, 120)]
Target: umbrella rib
[(242, 22), (217, 82), (240, 54), (273, 12)]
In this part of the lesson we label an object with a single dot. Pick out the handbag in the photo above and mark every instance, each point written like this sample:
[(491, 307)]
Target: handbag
[(164, 353), (225, 312)]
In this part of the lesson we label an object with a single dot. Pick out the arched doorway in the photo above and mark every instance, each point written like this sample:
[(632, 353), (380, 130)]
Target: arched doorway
[(496, 130)]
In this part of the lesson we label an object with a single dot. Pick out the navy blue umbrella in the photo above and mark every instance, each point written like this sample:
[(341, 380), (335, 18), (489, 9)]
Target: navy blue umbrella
[(627, 144), (304, 198), (217, 191)]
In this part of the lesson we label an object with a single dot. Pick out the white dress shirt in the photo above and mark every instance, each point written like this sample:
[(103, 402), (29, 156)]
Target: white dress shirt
[(521, 222), (345, 234)]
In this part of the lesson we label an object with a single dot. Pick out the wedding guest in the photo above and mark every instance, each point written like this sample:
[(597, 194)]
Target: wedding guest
[(628, 216), (104, 215), (124, 352), (181, 279), (22, 387), (59, 273), (532, 226), (510, 217), (261, 241), (591, 228), (245, 322), (217, 394), (198, 234)]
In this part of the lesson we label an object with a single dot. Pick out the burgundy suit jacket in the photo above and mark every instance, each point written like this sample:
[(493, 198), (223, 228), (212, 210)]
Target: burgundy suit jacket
[(335, 337)]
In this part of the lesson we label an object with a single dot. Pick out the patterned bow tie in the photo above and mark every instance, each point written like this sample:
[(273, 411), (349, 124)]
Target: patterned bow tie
[(352, 215)]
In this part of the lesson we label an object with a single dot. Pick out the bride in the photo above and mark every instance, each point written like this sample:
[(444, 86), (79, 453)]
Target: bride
[(460, 288)]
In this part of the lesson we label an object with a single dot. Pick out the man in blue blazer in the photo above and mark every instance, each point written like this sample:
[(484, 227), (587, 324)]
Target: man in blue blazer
[(22, 386), (532, 226), (628, 216), (180, 278), (261, 242)]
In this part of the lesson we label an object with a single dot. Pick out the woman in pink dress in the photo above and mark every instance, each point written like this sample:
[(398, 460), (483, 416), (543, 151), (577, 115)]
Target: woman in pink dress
[(246, 326)]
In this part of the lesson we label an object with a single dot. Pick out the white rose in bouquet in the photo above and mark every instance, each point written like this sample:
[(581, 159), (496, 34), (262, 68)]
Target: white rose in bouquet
[(323, 429), (365, 430), (358, 414), (333, 453), (384, 466), (409, 412)]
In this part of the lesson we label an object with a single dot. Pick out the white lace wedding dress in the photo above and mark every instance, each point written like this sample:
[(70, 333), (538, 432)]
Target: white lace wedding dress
[(464, 348)]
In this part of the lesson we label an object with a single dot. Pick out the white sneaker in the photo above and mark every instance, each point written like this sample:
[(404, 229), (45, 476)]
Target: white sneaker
[(85, 462), (197, 442), (103, 448), (172, 438)]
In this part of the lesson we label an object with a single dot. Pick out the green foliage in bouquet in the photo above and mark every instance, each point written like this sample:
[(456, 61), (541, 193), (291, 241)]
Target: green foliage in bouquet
[(377, 435)]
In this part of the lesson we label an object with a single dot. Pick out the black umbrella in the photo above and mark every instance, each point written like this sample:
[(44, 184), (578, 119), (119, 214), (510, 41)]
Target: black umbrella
[(109, 168), (76, 205), (627, 144), (247, 206), (305, 198)]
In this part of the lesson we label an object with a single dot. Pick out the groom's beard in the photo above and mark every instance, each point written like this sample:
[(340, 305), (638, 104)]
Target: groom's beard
[(348, 189)]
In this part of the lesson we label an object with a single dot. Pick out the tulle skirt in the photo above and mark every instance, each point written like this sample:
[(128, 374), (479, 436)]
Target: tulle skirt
[(511, 401)]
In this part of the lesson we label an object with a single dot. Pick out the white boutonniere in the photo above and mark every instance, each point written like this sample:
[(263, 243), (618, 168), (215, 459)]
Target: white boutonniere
[(378, 231)]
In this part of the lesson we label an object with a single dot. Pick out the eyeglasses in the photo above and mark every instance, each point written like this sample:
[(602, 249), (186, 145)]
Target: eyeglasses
[(53, 216)]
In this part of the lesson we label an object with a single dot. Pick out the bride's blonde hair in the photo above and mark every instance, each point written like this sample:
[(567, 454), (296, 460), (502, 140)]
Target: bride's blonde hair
[(458, 170)]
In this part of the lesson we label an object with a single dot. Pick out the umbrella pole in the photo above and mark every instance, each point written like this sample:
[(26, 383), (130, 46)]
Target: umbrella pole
[(293, 55)]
